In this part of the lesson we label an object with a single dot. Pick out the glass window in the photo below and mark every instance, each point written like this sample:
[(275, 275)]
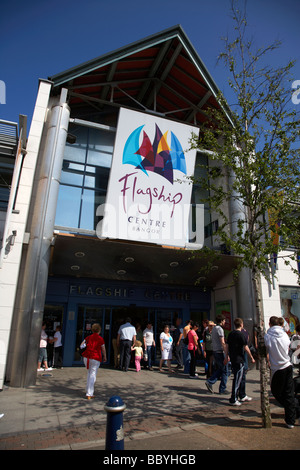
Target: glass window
[(68, 206), (72, 173), (100, 147), (77, 152), (198, 192), (84, 177), (90, 201)]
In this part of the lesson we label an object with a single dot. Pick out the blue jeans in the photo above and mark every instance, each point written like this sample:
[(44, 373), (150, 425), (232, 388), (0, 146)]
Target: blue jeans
[(221, 372), (238, 383), (186, 357), (149, 353)]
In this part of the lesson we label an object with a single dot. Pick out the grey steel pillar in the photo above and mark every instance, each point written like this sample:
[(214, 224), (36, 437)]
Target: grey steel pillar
[(244, 286), (33, 280)]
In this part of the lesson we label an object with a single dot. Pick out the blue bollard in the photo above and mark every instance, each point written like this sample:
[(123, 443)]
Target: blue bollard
[(114, 425)]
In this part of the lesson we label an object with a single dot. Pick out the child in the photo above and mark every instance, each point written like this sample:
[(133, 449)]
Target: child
[(138, 354)]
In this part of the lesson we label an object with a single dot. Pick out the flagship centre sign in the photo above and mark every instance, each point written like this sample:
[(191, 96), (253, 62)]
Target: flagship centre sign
[(149, 190)]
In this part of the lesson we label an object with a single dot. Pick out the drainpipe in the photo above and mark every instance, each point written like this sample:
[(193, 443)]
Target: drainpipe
[(32, 293)]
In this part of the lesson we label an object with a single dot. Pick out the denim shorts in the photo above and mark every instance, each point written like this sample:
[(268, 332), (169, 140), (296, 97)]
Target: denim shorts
[(42, 355)]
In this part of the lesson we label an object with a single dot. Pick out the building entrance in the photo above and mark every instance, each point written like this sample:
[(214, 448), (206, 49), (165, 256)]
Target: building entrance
[(53, 317), (111, 318), (84, 302), (88, 315)]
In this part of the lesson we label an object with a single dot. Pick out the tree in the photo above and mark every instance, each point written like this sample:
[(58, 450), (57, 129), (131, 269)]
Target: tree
[(253, 165)]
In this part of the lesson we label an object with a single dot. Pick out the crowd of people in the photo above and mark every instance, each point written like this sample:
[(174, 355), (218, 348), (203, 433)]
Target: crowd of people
[(185, 345), (190, 343)]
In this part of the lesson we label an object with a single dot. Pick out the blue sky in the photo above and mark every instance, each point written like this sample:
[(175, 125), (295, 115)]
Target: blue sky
[(39, 38)]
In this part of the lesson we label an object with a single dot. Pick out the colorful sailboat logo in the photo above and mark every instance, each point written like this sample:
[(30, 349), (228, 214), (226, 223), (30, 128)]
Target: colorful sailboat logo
[(158, 156)]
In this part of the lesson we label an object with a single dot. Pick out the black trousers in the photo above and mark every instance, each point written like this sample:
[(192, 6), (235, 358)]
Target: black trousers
[(178, 354), (282, 387), (58, 356), (125, 353), (193, 363)]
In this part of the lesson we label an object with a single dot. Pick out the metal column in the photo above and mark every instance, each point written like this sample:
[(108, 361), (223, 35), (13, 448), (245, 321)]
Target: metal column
[(244, 286), (33, 282)]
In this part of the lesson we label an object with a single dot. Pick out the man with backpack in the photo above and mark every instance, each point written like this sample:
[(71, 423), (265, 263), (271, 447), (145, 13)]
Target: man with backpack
[(282, 384), (220, 357)]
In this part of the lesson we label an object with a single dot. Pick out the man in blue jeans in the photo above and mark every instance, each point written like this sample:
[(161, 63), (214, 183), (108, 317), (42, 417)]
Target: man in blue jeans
[(220, 357), (237, 347), (149, 343)]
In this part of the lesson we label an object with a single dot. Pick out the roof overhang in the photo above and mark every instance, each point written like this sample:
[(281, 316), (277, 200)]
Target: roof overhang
[(89, 257), (161, 73)]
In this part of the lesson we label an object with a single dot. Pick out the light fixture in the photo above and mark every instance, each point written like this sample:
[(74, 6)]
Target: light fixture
[(163, 276), (75, 267), (129, 259), (79, 254), (214, 268), (174, 264), (121, 272), (13, 238), (71, 139)]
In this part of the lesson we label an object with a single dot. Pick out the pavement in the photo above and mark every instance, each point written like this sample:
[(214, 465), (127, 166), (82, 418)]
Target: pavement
[(164, 412)]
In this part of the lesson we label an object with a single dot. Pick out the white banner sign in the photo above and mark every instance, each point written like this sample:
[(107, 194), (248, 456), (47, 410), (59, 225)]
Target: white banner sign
[(149, 194)]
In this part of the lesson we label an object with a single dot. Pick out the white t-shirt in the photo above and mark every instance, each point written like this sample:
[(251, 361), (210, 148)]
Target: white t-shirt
[(148, 335), (127, 331), (166, 340), (43, 340), (58, 342)]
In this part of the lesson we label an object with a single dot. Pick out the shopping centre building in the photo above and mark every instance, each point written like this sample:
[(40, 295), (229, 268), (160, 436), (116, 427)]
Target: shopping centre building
[(98, 216)]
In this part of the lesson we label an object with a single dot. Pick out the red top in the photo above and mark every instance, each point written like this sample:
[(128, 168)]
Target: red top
[(191, 344), (93, 350)]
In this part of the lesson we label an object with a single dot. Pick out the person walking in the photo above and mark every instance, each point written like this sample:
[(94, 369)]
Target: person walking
[(193, 347), (58, 348), (237, 347), (125, 339), (186, 357), (138, 354), (207, 348), (220, 357), (282, 385), (149, 343), (93, 355), (177, 344), (166, 341), (43, 358)]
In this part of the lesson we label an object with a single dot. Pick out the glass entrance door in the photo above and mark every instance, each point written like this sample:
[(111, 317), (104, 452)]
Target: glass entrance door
[(160, 318), (86, 317), (110, 319), (53, 316)]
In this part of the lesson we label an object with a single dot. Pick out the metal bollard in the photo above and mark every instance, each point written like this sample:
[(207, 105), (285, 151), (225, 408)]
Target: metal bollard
[(114, 425)]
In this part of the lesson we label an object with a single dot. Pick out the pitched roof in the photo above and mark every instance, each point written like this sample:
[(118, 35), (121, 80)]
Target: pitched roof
[(161, 73)]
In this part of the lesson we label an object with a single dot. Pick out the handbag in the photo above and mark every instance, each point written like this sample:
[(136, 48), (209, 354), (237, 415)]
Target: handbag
[(82, 347)]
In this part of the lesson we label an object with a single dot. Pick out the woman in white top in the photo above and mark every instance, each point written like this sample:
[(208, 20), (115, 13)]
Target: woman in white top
[(57, 348), (166, 341)]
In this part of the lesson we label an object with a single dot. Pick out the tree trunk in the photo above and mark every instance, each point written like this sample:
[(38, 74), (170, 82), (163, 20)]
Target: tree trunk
[(262, 354), (264, 376)]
